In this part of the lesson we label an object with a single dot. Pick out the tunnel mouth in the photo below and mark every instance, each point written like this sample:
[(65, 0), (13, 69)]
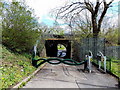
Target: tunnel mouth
[(58, 48)]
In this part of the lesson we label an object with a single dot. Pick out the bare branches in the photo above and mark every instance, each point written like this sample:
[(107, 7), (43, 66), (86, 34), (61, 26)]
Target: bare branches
[(65, 11), (66, 14), (110, 2), (89, 6), (97, 7), (97, 10), (106, 6), (67, 7)]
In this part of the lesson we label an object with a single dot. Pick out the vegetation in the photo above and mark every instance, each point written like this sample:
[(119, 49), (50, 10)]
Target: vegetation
[(14, 68), (115, 64), (20, 29), (112, 65), (96, 12), (111, 35), (61, 47)]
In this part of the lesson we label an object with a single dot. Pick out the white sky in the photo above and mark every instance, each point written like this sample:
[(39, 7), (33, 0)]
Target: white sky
[(43, 7)]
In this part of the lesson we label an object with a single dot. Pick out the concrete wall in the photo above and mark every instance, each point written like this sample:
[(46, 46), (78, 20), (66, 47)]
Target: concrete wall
[(43, 52)]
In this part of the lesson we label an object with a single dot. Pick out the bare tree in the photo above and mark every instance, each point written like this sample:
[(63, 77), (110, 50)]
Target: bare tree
[(97, 9), (83, 25)]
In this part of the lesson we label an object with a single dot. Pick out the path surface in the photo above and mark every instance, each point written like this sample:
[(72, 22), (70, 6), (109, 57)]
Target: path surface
[(64, 76)]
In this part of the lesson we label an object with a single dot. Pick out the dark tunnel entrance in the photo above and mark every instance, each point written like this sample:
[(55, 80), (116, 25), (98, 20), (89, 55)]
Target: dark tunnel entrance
[(53, 45)]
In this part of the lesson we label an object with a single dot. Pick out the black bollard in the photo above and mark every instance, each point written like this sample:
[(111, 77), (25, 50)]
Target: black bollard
[(85, 66), (119, 83), (34, 63)]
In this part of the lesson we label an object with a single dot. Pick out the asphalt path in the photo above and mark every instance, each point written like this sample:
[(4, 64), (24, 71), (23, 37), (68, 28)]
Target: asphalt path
[(65, 76)]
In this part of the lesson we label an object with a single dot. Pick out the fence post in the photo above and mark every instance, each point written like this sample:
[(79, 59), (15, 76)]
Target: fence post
[(110, 65), (118, 52), (105, 64), (94, 47)]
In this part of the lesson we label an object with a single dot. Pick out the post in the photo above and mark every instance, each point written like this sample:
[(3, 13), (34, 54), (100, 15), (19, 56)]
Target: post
[(99, 60), (89, 63), (95, 39), (110, 64), (105, 64), (99, 64), (118, 82), (100, 56), (35, 50)]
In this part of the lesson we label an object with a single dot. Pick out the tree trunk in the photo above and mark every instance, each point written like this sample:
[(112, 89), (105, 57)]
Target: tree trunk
[(95, 32), (95, 27)]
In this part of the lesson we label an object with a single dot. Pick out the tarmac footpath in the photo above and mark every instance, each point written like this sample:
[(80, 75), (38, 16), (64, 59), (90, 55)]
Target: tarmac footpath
[(66, 76)]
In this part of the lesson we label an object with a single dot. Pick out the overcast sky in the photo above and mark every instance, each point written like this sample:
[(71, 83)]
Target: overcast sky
[(42, 8)]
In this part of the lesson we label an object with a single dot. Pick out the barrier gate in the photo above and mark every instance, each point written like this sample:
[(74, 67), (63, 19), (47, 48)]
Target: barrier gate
[(55, 61)]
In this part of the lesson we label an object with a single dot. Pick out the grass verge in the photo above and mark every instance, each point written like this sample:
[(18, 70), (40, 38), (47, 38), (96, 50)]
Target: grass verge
[(112, 65), (14, 68)]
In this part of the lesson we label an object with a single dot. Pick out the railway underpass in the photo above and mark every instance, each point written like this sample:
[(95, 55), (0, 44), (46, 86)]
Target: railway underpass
[(68, 75)]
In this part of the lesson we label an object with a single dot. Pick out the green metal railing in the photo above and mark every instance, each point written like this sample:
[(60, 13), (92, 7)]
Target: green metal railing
[(56, 61), (112, 65)]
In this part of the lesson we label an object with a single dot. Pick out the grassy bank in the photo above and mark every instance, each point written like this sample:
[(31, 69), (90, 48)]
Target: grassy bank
[(112, 65), (14, 68)]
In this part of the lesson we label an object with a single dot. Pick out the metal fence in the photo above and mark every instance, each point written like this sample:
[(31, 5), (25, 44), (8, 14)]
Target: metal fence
[(112, 52), (81, 49)]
